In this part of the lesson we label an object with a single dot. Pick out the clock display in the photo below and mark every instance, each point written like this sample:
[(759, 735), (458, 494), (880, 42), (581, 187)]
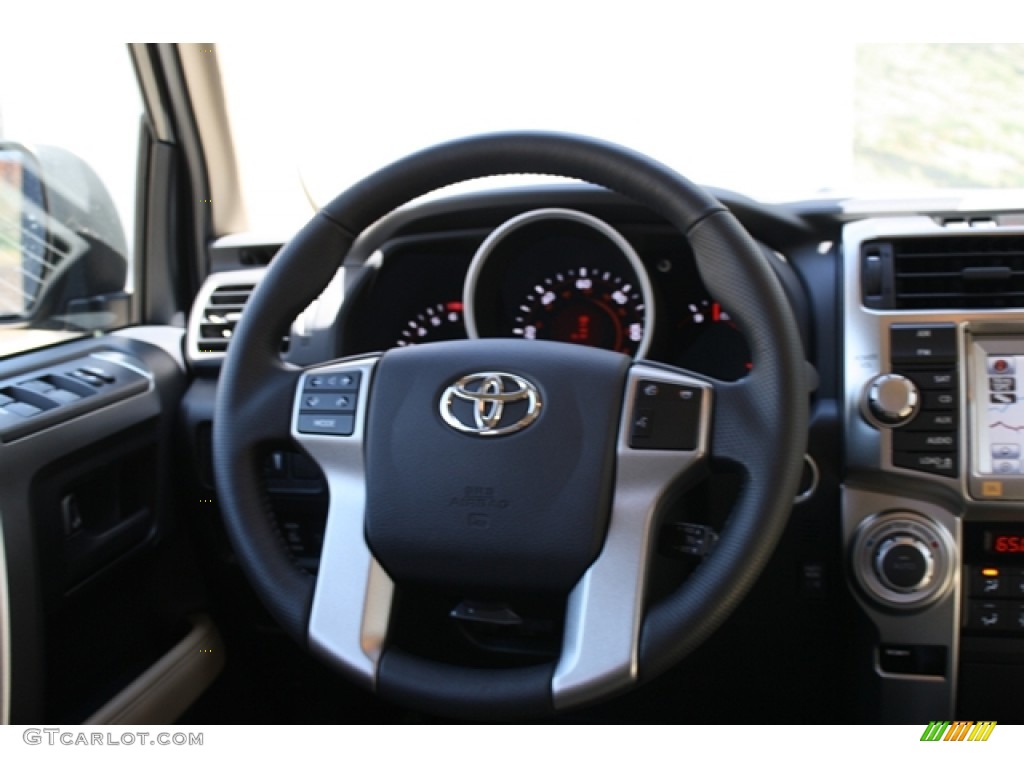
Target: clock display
[(1002, 543)]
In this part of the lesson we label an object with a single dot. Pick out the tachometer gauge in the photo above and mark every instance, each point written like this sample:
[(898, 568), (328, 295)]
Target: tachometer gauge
[(585, 306), (710, 342), (560, 275), (440, 322)]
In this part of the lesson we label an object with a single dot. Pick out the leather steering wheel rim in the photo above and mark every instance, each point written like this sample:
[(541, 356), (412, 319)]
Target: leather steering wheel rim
[(759, 422)]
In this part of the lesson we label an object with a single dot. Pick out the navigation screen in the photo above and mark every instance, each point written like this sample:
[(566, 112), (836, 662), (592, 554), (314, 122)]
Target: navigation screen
[(1001, 416), (995, 396), (1000, 412)]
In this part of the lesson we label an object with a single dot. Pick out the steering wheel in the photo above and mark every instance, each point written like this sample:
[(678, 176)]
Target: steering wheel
[(495, 466)]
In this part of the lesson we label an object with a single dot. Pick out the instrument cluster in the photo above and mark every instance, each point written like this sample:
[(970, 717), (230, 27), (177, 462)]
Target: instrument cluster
[(556, 274)]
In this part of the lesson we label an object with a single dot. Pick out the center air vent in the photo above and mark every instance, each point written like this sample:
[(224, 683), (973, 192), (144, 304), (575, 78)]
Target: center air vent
[(958, 272)]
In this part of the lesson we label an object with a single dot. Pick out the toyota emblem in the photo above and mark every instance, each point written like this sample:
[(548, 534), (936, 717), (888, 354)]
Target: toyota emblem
[(490, 404)]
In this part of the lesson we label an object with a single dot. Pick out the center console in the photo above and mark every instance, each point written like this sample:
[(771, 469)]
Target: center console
[(933, 500)]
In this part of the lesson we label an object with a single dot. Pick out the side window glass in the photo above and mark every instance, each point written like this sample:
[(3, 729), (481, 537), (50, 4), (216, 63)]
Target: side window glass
[(68, 143)]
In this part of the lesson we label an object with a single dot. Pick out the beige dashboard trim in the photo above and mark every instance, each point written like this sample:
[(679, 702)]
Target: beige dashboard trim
[(202, 73), (164, 691)]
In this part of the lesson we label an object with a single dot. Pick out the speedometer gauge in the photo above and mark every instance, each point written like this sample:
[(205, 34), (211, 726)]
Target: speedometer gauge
[(560, 275), (588, 306)]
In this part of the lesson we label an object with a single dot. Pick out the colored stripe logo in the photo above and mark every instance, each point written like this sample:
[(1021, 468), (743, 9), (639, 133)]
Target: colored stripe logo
[(960, 730)]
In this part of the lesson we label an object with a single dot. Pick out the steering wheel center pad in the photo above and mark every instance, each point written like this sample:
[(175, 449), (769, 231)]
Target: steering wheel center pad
[(492, 514)]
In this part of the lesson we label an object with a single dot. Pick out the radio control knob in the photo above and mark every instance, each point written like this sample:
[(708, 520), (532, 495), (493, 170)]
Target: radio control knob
[(892, 399), (904, 563)]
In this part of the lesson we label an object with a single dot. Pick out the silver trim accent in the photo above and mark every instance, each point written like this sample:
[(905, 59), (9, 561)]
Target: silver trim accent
[(5, 637), (489, 401), (935, 622), (875, 486), (604, 612), (867, 346), (878, 393), (903, 525), (800, 498), (165, 337), (352, 599), (542, 214)]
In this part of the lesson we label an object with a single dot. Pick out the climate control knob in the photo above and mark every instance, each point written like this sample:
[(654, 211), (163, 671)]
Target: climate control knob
[(903, 559), (892, 400), (903, 563)]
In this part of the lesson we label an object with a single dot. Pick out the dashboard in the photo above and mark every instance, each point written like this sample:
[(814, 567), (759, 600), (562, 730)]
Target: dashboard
[(562, 261)]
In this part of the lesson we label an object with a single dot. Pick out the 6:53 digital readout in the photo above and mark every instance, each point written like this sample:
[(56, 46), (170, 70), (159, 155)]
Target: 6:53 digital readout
[(1004, 543)]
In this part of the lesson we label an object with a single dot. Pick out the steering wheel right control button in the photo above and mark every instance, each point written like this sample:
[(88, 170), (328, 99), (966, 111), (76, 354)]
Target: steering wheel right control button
[(903, 560), (328, 403), (665, 416)]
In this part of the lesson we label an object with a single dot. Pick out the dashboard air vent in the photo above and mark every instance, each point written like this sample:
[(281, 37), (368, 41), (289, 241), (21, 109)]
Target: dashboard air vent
[(951, 272), (221, 315)]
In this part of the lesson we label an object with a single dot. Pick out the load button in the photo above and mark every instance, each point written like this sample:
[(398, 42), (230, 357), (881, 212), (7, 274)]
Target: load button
[(934, 463)]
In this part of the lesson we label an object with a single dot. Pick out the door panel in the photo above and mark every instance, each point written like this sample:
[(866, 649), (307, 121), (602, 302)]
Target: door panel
[(101, 580)]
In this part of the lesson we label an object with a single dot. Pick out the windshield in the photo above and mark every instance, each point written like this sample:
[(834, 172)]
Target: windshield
[(775, 122)]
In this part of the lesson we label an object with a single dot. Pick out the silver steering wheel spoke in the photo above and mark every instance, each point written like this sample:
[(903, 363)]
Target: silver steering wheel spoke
[(352, 599), (663, 436)]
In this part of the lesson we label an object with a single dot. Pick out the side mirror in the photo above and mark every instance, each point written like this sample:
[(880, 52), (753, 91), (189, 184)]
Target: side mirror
[(22, 231), (63, 255)]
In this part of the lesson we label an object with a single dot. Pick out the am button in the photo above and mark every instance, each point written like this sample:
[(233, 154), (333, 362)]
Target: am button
[(920, 344)]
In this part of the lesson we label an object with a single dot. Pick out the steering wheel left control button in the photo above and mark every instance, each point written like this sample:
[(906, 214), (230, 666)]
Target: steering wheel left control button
[(341, 382), (328, 403), (332, 402)]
